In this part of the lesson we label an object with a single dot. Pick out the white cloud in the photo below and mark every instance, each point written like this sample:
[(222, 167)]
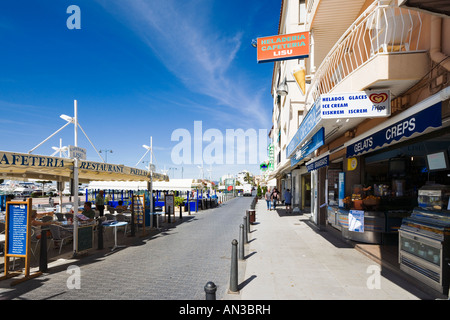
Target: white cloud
[(186, 41)]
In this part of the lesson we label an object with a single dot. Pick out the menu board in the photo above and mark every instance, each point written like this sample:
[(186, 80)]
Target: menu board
[(169, 204), (17, 240), (139, 207), (85, 238), (17, 229)]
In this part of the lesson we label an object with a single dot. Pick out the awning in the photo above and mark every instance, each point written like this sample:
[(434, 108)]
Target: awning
[(422, 118), (172, 185), (92, 171), (321, 161), (279, 170), (316, 141), (31, 166)]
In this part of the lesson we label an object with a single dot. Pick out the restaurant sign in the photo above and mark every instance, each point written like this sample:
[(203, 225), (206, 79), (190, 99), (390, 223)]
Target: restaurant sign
[(283, 47), (362, 104), (112, 168)]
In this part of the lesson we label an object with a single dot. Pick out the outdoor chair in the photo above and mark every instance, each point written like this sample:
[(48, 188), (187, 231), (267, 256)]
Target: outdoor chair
[(110, 216), (2, 236), (2, 243), (46, 218), (121, 217), (126, 216), (35, 241), (59, 234)]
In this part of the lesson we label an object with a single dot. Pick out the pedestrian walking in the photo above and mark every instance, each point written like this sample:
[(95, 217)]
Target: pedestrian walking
[(100, 203), (287, 200), (274, 197), (267, 197)]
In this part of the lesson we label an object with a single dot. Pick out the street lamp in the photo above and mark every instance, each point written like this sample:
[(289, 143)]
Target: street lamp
[(106, 153), (172, 168), (283, 89)]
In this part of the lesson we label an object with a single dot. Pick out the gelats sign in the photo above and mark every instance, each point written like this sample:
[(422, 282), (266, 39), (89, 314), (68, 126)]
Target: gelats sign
[(283, 47), (417, 123)]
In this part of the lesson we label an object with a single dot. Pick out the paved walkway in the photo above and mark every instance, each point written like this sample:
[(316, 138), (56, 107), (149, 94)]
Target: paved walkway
[(288, 258)]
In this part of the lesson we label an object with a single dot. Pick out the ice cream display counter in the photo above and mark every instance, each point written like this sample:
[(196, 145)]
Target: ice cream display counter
[(376, 223), (424, 249), (379, 215)]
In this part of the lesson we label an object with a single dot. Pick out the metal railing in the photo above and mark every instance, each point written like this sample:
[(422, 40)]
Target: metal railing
[(381, 29)]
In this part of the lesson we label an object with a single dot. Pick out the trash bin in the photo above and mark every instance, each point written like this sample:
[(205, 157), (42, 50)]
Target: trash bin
[(252, 216)]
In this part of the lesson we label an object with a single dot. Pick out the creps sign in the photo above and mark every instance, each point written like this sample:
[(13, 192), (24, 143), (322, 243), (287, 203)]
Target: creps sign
[(283, 47), (416, 123)]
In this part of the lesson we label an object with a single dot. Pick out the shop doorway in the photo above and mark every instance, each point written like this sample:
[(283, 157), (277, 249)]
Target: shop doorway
[(306, 192)]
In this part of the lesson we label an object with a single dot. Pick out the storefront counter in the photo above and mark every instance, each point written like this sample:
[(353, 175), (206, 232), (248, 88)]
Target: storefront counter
[(375, 224)]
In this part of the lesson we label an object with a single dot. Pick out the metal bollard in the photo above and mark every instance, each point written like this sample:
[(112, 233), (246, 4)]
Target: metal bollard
[(241, 242), (210, 291), (247, 214), (245, 233), (234, 267)]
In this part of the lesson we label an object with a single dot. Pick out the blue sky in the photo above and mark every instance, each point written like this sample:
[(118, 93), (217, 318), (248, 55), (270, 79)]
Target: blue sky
[(138, 68)]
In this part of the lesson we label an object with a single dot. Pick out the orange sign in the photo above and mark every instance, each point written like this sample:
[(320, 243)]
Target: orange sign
[(283, 47)]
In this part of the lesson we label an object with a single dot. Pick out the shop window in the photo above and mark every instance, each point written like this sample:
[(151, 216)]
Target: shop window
[(396, 174), (302, 12)]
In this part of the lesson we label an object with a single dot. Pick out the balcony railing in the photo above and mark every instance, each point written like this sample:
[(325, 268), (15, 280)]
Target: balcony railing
[(381, 29)]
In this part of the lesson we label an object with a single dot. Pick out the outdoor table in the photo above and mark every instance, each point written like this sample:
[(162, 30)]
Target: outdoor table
[(67, 224), (115, 224)]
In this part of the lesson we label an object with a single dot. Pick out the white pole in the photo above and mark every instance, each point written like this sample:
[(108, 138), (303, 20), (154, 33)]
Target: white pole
[(75, 107), (75, 183), (151, 182)]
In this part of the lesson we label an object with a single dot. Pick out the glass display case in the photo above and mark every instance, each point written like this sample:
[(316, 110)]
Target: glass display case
[(434, 197), (424, 250)]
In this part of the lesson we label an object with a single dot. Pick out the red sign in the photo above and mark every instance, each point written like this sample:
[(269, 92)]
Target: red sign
[(230, 188), (283, 47)]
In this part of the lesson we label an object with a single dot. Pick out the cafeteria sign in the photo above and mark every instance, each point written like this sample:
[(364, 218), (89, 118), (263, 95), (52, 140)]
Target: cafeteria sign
[(283, 47)]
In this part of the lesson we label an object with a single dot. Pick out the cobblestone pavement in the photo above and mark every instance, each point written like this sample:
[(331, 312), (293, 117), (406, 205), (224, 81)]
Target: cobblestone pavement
[(174, 263)]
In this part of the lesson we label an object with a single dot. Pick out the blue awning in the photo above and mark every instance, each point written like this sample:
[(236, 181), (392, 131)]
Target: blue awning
[(406, 127), (316, 141)]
